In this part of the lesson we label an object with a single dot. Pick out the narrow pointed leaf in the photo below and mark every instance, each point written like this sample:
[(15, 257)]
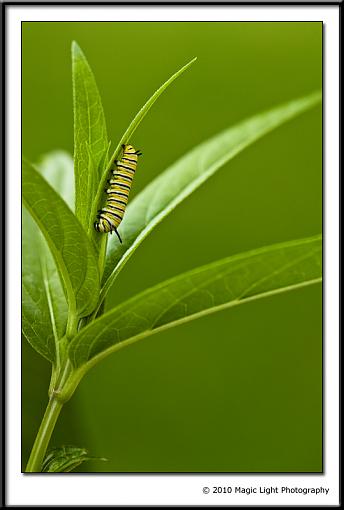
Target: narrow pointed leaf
[(90, 135), (168, 190), (73, 254), (228, 282), (44, 306), (100, 197)]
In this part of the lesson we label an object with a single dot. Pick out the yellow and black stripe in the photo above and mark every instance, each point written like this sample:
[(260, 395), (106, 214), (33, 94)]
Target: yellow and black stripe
[(112, 214)]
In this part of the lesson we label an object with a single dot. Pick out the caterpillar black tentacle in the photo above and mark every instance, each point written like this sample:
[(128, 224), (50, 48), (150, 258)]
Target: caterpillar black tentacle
[(110, 217)]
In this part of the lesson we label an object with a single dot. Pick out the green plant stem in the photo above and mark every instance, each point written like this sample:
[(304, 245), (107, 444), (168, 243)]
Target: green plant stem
[(44, 434), (102, 256), (59, 394)]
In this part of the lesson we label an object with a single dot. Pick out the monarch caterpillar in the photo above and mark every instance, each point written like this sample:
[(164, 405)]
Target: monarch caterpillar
[(112, 214)]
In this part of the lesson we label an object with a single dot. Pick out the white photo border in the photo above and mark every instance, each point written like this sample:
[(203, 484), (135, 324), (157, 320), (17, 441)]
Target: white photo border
[(172, 489)]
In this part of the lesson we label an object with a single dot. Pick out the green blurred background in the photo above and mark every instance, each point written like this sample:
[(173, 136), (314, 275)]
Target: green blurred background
[(240, 390)]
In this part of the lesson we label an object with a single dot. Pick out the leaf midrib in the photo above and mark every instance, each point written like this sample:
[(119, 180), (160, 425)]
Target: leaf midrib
[(98, 357), (241, 257), (46, 284), (195, 288)]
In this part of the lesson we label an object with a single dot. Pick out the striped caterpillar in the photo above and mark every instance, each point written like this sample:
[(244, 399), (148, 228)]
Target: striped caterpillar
[(112, 214)]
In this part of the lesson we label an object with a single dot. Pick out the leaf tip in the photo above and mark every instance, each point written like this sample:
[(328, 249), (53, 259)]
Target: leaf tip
[(76, 50), (191, 62)]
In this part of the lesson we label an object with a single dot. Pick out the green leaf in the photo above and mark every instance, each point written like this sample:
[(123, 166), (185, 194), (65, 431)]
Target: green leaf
[(229, 282), (168, 190), (44, 307), (65, 459), (90, 137), (38, 319), (73, 254), (99, 201)]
